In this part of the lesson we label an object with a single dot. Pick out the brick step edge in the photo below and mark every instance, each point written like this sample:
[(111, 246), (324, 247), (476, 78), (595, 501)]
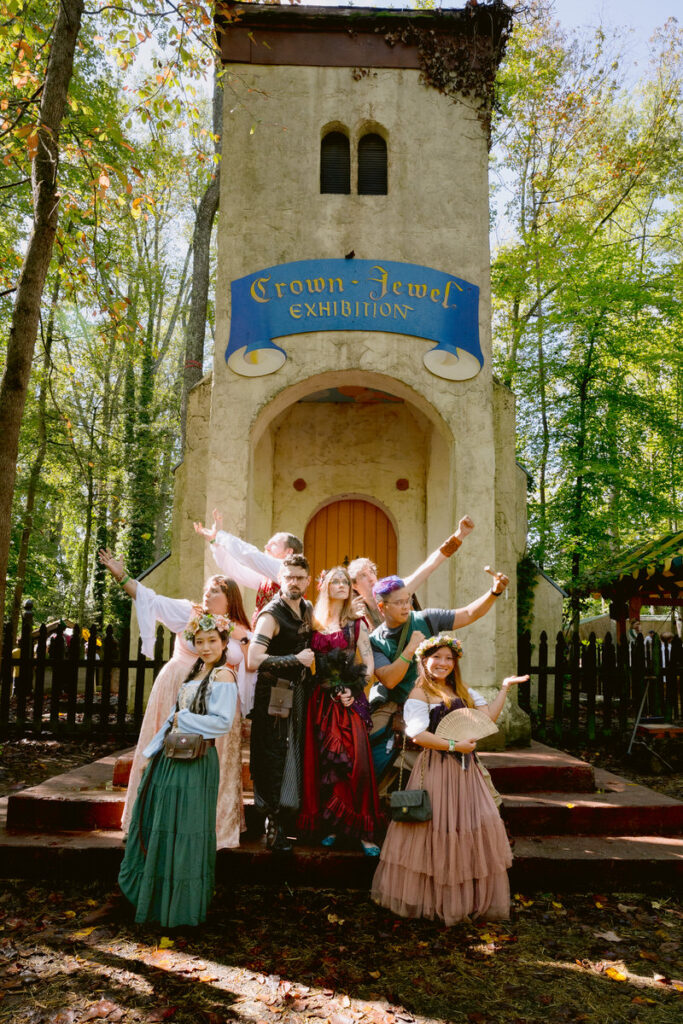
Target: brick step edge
[(547, 864)]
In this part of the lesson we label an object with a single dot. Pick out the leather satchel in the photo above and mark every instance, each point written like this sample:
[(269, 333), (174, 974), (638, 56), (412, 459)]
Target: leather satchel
[(183, 746), (281, 700)]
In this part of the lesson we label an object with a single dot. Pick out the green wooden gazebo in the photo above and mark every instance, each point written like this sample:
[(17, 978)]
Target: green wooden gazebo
[(649, 574)]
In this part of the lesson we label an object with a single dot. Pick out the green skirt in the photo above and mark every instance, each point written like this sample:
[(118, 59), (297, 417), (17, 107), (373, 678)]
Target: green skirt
[(173, 882)]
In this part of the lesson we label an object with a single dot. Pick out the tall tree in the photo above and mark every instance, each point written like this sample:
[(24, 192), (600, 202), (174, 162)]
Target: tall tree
[(24, 328)]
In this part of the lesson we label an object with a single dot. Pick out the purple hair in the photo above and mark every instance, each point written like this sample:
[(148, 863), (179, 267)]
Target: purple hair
[(387, 586)]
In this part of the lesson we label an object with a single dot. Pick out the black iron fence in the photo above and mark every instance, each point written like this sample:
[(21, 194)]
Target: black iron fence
[(71, 681), (594, 689)]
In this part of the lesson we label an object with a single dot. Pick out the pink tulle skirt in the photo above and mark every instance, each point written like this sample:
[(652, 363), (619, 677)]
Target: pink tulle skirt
[(229, 810), (454, 866)]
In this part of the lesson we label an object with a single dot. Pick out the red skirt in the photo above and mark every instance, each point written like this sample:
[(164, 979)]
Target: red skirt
[(339, 787)]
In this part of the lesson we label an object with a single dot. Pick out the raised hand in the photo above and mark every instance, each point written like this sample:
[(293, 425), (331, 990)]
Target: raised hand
[(111, 563), (514, 681), (500, 580), (465, 526), (204, 531)]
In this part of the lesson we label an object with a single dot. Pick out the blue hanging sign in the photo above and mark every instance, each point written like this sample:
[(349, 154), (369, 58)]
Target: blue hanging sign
[(354, 295)]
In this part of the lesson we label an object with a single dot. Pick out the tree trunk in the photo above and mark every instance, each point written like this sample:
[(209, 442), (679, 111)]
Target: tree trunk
[(201, 263), (37, 466), (26, 313)]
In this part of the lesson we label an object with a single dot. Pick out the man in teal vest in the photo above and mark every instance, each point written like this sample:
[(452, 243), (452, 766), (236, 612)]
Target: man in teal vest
[(394, 643)]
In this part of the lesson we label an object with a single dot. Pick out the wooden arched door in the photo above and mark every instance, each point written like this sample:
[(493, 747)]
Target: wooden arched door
[(347, 529)]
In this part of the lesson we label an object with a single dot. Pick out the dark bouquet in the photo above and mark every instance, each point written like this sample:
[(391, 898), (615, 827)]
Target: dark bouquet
[(337, 671)]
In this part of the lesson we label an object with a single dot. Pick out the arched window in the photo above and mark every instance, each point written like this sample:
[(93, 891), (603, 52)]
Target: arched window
[(372, 166), (335, 164)]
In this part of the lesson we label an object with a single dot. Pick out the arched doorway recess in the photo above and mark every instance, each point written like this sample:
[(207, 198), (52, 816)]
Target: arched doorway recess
[(346, 529)]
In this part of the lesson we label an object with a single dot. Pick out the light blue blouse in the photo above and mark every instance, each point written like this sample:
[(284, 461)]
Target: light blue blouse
[(221, 705)]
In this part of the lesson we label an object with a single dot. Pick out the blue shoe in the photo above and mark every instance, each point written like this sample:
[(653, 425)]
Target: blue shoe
[(329, 840), (371, 850)]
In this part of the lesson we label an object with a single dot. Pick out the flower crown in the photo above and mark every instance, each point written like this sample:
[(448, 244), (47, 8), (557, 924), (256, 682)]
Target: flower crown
[(442, 640), (205, 621)]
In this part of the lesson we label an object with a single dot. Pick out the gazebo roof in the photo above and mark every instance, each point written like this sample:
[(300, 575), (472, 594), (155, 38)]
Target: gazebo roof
[(652, 571)]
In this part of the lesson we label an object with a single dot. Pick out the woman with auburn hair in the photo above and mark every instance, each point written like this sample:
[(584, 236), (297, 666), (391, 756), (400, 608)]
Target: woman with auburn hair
[(340, 792), (221, 597), (453, 866)]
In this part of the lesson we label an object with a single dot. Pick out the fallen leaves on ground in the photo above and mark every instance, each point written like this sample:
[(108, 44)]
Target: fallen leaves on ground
[(315, 957)]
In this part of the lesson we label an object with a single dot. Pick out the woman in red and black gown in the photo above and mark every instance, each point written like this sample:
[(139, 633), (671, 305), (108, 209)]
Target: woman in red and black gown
[(339, 789)]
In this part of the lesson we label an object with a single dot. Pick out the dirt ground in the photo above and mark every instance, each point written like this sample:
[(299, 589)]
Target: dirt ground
[(326, 957), (333, 958)]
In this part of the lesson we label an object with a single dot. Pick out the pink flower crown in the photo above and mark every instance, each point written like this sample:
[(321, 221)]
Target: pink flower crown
[(205, 621)]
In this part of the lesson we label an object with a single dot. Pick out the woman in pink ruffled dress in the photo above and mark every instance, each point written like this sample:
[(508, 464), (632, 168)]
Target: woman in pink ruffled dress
[(453, 867), (221, 597)]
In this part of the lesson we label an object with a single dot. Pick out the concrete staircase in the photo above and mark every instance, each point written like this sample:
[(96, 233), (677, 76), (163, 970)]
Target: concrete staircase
[(574, 828)]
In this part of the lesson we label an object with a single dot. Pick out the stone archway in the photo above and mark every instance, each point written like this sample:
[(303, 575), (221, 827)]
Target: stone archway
[(349, 528)]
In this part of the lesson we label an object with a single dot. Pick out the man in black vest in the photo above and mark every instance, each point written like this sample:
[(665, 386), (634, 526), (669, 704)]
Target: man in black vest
[(281, 653)]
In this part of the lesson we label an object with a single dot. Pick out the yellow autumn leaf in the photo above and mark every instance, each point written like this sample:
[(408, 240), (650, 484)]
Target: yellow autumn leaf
[(69, 913), (83, 933), (615, 974), (166, 943), (135, 211), (375, 974)]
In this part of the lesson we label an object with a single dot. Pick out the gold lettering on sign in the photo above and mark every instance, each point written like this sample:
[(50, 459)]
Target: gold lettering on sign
[(397, 287), (259, 285), (310, 310), (385, 309), (279, 285), (402, 312), (298, 290), (339, 282), (324, 308), (316, 285), (345, 308), (295, 311), (445, 297), (382, 279), (435, 294), (417, 291)]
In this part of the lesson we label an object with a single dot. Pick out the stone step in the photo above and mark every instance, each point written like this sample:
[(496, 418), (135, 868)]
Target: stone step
[(618, 807), (537, 767), (546, 863)]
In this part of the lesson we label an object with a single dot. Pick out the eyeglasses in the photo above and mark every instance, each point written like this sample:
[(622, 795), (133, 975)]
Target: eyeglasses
[(295, 579), (404, 603)]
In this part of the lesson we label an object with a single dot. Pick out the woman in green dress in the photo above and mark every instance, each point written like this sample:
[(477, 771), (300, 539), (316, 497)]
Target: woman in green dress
[(169, 864)]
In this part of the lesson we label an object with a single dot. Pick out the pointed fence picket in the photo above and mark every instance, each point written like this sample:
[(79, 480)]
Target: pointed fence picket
[(56, 684), (597, 686)]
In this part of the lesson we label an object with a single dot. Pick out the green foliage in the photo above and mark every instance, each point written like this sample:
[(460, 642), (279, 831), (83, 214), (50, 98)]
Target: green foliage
[(587, 289), (527, 572)]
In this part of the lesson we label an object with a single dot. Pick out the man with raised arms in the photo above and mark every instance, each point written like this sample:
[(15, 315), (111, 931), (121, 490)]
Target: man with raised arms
[(363, 574), (394, 643), (247, 564)]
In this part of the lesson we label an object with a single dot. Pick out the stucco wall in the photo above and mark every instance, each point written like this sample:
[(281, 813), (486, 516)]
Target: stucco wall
[(454, 441)]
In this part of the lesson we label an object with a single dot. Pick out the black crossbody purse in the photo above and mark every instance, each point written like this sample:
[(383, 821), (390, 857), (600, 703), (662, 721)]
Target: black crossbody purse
[(411, 805)]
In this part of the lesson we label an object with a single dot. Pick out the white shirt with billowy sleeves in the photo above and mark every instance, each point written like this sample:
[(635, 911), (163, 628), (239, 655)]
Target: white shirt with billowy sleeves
[(175, 613), (244, 562), (416, 712)]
